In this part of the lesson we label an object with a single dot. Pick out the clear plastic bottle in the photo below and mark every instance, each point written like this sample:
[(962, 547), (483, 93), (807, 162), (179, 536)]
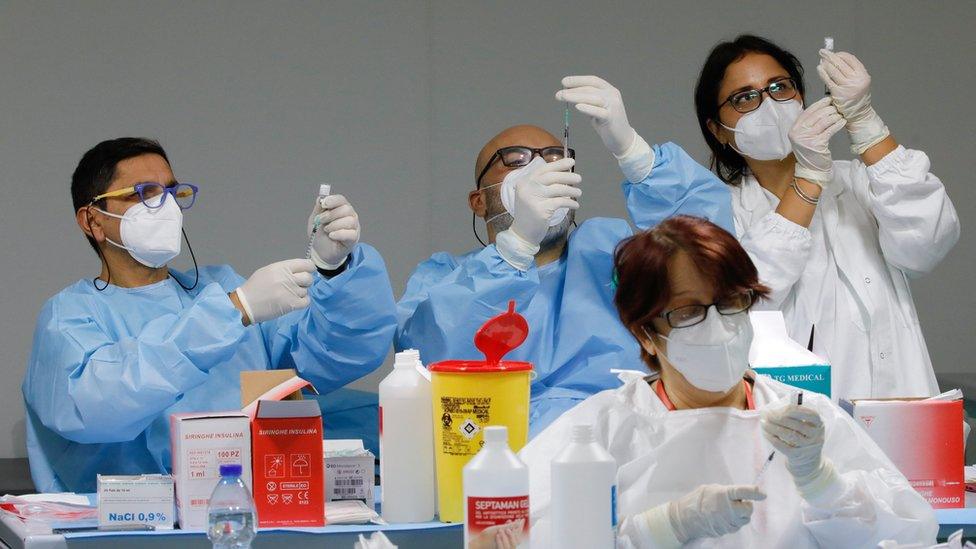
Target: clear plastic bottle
[(496, 495), (584, 494), (231, 519), (406, 443)]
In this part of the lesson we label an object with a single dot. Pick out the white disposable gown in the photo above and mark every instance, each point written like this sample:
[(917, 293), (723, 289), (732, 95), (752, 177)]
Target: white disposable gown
[(846, 278), (662, 455)]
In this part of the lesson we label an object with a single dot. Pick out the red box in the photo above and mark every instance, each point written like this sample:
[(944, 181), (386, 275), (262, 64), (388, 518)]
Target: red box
[(286, 458), (923, 438)]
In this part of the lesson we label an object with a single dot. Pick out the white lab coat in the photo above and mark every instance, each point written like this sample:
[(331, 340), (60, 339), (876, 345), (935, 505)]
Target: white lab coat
[(875, 227), (662, 455)]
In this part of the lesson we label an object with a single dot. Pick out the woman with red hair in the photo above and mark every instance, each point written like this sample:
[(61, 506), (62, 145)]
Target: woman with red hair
[(693, 438)]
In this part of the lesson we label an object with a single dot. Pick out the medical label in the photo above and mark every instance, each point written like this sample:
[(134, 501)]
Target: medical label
[(136, 499), (462, 420), (487, 516)]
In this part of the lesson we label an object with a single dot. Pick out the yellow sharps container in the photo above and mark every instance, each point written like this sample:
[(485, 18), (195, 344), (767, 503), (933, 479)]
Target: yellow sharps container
[(470, 395)]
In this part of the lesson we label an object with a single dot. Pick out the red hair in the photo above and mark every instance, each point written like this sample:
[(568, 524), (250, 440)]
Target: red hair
[(642, 269)]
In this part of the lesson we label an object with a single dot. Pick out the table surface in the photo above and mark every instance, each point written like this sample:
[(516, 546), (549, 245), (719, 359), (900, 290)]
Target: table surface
[(14, 534), (433, 535)]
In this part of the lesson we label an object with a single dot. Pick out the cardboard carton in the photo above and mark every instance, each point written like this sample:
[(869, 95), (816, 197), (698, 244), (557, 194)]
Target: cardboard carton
[(136, 499), (286, 439), (201, 443), (775, 354), (923, 438), (349, 471)]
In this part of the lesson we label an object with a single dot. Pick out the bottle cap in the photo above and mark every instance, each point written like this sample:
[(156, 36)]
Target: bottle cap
[(231, 470), (404, 359), (496, 433), (325, 190)]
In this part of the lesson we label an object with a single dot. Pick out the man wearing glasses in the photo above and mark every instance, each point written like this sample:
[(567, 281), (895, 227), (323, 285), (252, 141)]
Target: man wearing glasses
[(527, 194), (114, 356)]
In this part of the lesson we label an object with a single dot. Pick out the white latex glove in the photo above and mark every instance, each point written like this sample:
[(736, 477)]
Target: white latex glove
[(537, 197), (712, 510), (596, 98), (850, 89), (276, 289), (337, 234), (810, 136), (798, 433)]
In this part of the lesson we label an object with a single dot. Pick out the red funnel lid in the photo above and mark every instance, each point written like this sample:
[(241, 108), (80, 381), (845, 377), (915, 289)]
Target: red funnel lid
[(495, 339), (501, 334)]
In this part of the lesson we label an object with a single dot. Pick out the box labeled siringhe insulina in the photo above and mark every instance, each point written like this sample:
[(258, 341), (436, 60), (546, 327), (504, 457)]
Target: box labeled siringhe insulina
[(201, 443)]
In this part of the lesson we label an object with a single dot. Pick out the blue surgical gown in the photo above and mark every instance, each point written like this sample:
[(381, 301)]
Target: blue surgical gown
[(108, 368), (575, 337)]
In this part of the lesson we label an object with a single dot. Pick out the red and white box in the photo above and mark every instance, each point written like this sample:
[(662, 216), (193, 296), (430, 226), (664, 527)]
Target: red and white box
[(200, 444), (287, 466), (924, 439)]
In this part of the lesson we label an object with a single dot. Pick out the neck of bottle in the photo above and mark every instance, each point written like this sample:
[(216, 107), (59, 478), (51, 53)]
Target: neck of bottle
[(582, 434)]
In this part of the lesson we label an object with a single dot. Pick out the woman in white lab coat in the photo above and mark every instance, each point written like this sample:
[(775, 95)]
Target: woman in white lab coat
[(691, 440), (836, 241)]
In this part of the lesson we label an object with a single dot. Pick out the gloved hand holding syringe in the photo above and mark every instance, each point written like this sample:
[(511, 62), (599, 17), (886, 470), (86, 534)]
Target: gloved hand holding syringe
[(324, 191), (765, 466), (333, 230)]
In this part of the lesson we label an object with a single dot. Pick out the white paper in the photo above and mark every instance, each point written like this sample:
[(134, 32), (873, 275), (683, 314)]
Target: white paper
[(69, 498), (954, 394), (772, 346)]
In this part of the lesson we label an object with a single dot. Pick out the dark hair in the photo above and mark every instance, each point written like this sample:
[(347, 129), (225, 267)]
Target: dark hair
[(96, 169), (642, 267), (727, 163)]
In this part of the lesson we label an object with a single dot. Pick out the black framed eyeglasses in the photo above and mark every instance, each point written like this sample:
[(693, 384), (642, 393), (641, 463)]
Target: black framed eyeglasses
[(519, 156), (689, 315), (780, 90)]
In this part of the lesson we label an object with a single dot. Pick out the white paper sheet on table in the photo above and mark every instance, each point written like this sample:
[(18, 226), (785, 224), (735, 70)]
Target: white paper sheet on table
[(69, 498)]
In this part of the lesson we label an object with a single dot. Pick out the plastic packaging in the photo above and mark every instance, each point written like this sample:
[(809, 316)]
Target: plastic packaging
[(406, 443), (351, 511), (38, 514), (376, 541), (584, 493), (230, 514), (496, 495)]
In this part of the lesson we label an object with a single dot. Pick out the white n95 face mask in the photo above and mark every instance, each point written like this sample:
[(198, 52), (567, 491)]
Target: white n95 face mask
[(714, 354), (151, 236), (763, 134), (513, 178)]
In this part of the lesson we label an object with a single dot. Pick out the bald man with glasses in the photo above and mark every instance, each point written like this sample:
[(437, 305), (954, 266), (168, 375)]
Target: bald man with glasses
[(527, 194)]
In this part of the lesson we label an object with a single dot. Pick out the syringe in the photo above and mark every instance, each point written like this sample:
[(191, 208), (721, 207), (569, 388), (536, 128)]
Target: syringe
[(324, 191), (829, 46), (566, 132)]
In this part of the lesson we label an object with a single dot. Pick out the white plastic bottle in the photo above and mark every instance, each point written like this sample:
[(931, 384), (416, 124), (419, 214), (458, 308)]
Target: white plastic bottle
[(496, 495), (406, 443), (230, 513), (584, 494)]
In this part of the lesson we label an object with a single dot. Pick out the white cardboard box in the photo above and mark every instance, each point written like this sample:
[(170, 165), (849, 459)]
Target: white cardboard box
[(775, 354), (136, 499), (201, 443), (349, 471)]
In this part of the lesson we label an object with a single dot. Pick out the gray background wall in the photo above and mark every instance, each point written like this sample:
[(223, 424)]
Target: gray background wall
[(258, 102)]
